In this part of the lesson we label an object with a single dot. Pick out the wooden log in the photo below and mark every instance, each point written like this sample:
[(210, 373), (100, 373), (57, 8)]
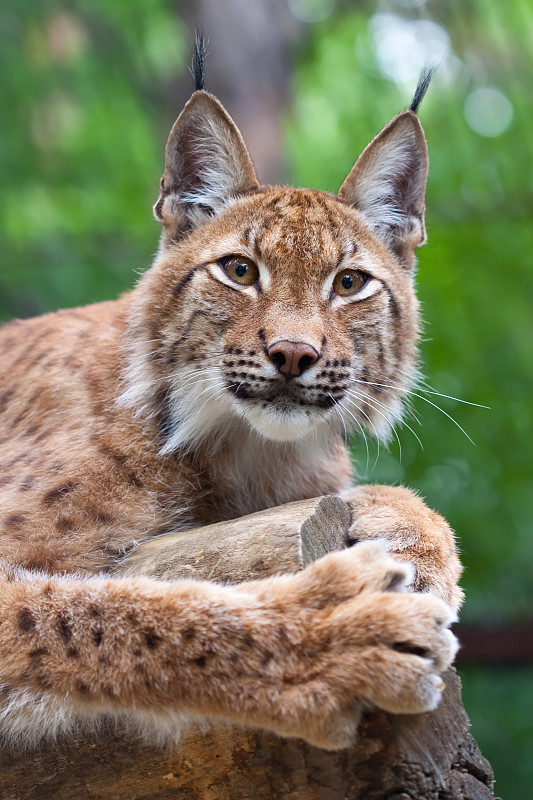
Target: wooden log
[(423, 757), (282, 539)]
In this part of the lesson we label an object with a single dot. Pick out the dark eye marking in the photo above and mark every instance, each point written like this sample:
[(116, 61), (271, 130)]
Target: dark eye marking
[(395, 308), (186, 278)]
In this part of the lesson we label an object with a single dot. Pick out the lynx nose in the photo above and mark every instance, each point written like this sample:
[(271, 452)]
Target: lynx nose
[(292, 358)]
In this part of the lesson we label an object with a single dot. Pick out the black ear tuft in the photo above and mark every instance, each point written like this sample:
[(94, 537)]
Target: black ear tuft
[(421, 89), (198, 61)]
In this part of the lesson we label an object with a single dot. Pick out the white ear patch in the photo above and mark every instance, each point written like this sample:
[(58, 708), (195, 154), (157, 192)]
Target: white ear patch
[(387, 185), (206, 165), (219, 169), (376, 193)]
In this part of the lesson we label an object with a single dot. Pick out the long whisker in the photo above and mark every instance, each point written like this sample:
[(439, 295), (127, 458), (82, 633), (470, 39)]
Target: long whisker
[(371, 400), (338, 410), (191, 373), (442, 411), (195, 382), (407, 402), (429, 390), (172, 376), (387, 420), (426, 400), (215, 386), (361, 410), (345, 408), (191, 379), (214, 396), (203, 369)]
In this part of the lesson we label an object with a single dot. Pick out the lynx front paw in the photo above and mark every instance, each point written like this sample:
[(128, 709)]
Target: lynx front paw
[(339, 577), (404, 645), (414, 533), (387, 651), (358, 639)]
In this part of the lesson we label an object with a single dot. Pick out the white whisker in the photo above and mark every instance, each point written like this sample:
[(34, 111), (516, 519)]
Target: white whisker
[(371, 400), (194, 382), (341, 404), (219, 393), (338, 410), (420, 383), (373, 428), (387, 420), (425, 399)]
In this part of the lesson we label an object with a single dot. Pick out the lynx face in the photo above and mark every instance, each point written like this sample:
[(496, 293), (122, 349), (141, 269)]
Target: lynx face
[(289, 309)]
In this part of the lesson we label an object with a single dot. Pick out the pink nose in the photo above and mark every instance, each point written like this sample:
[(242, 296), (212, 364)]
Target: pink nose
[(292, 358)]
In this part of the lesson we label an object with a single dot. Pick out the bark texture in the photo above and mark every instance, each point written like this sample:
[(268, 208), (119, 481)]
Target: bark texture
[(426, 757)]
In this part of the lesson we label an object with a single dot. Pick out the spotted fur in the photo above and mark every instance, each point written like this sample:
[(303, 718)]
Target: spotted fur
[(169, 408)]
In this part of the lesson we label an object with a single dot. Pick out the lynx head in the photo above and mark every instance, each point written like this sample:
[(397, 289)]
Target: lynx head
[(290, 312)]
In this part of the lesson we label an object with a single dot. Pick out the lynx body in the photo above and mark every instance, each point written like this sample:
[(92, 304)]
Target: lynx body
[(274, 322)]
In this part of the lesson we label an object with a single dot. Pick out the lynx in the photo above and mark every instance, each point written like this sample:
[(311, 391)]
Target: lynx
[(274, 322)]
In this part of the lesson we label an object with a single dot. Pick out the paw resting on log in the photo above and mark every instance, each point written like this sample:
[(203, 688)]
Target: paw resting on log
[(397, 643), (414, 533)]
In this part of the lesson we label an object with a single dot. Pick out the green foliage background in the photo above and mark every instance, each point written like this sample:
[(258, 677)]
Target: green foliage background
[(84, 115)]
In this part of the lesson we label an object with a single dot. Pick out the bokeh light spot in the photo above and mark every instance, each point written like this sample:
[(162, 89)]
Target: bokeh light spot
[(488, 111), (311, 10), (404, 47)]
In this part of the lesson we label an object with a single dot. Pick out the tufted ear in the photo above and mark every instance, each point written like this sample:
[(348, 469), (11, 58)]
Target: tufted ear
[(387, 185), (206, 165)]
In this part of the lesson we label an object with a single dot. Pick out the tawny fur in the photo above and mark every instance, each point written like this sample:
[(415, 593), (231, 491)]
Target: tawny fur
[(163, 410)]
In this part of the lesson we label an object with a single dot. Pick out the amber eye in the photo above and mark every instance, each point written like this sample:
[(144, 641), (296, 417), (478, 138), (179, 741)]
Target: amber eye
[(349, 281), (240, 269)]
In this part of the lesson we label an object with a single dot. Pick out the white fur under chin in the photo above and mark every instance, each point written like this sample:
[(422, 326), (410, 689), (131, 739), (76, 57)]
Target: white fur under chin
[(222, 416), (281, 426), (202, 411), (194, 418)]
